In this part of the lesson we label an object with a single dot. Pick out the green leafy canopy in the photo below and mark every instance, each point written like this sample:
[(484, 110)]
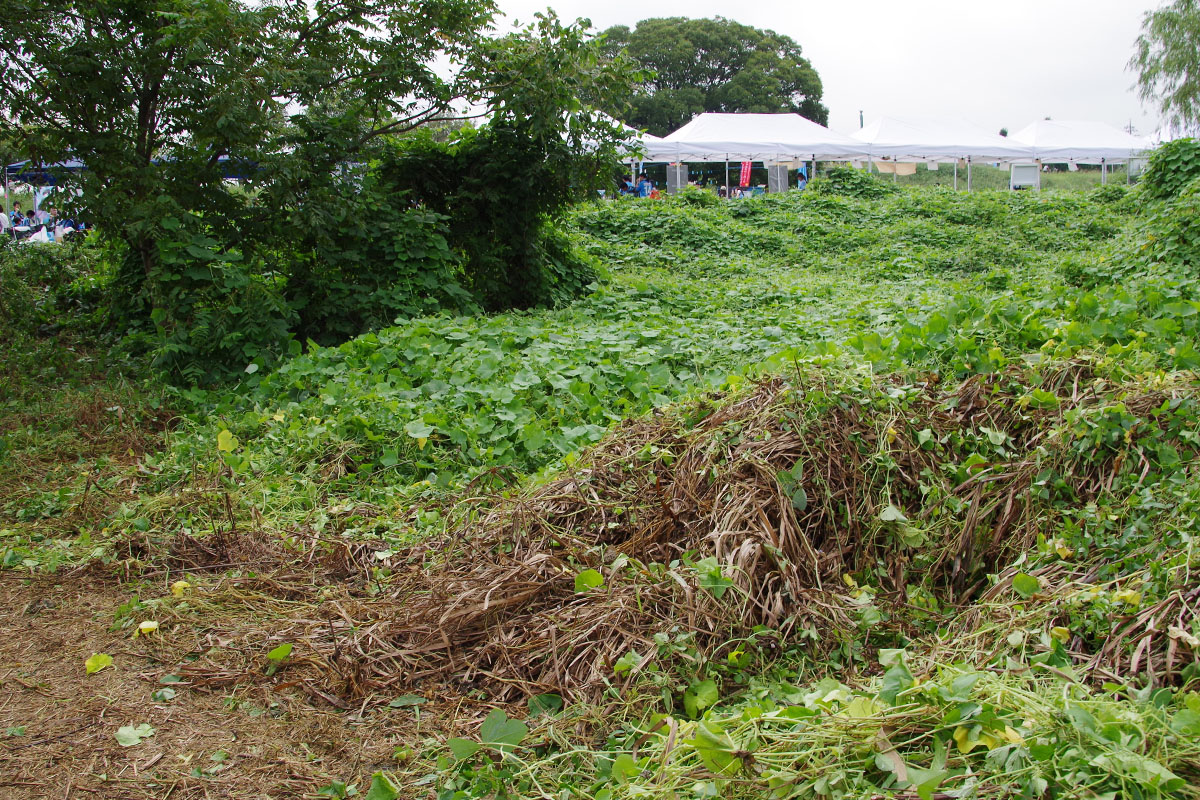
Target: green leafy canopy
[(1167, 61), (163, 100), (698, 65)]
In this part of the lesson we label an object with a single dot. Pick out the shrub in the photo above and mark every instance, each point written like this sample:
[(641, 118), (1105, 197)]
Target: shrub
[(215, 311), (378, 259), (1169, 237), (701, 198), (1172, 167), (501, 191), (48, 284), (850, 182)]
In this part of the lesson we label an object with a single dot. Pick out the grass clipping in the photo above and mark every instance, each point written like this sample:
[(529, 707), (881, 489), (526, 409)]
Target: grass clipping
[(714, 519)]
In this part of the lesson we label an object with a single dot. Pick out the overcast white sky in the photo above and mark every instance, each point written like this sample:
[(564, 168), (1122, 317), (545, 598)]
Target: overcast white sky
[(995, 63)]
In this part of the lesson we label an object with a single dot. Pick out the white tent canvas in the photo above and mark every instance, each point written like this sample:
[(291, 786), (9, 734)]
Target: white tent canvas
[(638, 142), (903, 139), (753, 137), (1081, 142)]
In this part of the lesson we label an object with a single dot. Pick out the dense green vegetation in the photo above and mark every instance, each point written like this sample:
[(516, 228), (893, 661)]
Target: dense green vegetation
[(978, 413), (406, 467), (306, 105)]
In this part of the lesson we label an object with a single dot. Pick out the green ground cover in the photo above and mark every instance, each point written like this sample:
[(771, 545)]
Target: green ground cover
[(1004, 565), (693, 295)]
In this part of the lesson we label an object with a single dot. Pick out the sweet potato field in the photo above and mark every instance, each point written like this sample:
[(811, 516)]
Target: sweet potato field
[(854, 492)]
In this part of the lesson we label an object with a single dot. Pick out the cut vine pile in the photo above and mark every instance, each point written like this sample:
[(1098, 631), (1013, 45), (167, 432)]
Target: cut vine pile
[(734, 519)]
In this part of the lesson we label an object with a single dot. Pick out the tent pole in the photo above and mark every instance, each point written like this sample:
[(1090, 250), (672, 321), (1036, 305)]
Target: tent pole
[(728, 188), (968, 174), (956, 174), (1103, 172)]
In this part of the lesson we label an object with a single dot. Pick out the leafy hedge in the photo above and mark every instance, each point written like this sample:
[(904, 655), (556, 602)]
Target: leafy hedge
[(1173, 165)]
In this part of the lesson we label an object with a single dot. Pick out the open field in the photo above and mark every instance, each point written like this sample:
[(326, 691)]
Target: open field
[(862, 491)]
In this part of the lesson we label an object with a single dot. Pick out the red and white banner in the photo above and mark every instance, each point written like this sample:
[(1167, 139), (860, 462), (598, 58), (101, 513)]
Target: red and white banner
[(745, 179)]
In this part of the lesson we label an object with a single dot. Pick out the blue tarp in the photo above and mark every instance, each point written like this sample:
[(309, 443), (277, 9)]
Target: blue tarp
[(26, 172)]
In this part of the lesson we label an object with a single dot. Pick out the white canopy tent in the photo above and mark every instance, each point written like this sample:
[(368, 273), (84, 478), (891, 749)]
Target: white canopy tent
[(905, 139), (1080, 142), (637, 141), (753, 137)]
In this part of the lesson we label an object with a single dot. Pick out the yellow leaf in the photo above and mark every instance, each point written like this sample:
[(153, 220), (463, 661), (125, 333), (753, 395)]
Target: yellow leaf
[(861, 707), (421, 442), (278, 416), (1129, 597), (145, 628), (891, 434), (226, 441), (1012, 736), (97, 662), (178, 588), (1061, 548), (849, 581), (962, 738), (966, 743), (1062, 634)]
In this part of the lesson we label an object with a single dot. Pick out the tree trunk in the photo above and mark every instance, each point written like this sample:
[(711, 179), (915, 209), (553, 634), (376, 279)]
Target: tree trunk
[(133, 295)]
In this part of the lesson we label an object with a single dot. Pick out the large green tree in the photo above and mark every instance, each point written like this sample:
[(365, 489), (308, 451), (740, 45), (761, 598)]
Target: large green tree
[(165, 99), (1167, 61), (717, 64), (156, 96)]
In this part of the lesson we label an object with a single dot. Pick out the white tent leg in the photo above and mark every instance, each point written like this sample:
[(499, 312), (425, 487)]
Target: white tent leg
[(956, 174), (728, 188), (1103, 172)]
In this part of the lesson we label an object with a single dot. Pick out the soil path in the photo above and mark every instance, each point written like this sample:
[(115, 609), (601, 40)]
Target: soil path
[(58, 725)]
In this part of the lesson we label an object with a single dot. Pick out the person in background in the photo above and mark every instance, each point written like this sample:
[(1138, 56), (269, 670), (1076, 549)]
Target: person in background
[(51, 222), (31, 220), (645, 187), (626, 185), (16, 217), (802, 179)]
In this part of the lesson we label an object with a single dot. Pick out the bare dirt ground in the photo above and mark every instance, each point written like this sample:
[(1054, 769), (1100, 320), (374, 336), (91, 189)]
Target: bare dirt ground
[(58, 724)]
